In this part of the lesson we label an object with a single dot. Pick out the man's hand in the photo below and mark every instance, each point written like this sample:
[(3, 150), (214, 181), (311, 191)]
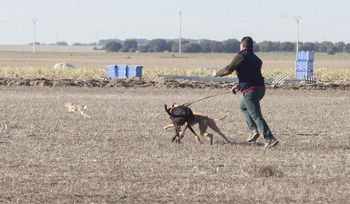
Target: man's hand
[(234, 89), (214, 73)]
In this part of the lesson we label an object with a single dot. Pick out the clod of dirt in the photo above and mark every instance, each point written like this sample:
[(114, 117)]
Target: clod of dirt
[(265, 171)]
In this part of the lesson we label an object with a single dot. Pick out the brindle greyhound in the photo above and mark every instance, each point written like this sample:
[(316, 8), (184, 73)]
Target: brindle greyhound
[(181, 115), (203, 122)]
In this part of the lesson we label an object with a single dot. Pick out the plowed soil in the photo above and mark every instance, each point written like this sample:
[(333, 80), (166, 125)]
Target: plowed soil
[(161, 82), (123, 155)]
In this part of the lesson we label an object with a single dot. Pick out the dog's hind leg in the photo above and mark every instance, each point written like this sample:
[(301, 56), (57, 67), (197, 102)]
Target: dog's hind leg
[(206, 134), (213, 126), (203, 131)]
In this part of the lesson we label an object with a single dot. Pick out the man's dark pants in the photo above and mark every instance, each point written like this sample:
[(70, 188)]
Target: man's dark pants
[(250, 107)]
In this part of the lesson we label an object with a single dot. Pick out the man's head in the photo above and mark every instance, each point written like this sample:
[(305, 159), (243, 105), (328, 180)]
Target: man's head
[(247, 43)]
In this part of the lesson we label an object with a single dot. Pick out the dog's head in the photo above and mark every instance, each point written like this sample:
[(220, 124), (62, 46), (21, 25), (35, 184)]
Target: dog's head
[(175, 104)]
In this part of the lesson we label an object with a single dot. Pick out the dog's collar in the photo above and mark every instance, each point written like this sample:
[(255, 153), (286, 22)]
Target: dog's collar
[(171, 109)]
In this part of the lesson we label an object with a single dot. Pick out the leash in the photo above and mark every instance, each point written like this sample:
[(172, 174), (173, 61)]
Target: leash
[(219, 94)]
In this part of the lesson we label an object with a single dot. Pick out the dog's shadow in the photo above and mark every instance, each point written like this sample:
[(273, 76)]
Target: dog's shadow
[(249, 144)]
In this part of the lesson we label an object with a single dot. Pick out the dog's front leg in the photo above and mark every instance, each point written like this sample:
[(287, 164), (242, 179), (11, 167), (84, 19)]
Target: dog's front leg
[(196, 136), (182, 134), (177, 132)]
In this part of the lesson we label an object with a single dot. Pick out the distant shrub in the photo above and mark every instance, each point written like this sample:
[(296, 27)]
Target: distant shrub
[(112, 46)]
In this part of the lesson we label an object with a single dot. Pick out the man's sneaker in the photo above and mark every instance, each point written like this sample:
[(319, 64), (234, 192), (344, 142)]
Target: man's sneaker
[(254, 134), (273, 142)]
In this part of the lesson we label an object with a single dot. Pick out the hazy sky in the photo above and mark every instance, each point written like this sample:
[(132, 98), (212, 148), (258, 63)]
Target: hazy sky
[(87, 21)]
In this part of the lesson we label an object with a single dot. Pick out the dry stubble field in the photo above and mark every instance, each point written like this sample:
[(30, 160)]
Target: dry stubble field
[(122, 154), (86, 57)]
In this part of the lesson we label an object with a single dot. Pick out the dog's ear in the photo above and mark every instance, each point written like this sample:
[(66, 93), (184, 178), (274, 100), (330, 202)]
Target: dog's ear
[(166, 108)]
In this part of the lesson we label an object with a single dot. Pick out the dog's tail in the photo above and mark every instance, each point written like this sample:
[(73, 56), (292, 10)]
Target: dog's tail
[(217, 119), (167, 110)]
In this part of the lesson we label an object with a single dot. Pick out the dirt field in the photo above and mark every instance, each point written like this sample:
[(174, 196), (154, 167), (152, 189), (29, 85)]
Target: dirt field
[(122, 154)]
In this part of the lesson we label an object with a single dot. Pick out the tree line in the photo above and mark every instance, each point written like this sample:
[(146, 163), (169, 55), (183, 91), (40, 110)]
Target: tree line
[(227, 46), (210, 46)]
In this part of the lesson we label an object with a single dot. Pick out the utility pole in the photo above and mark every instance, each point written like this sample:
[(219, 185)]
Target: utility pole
[(34, 20), (180, 35), (297, 18)]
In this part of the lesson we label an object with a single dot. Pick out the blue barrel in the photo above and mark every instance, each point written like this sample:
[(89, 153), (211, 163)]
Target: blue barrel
[(305, 55), (304, 65), (116, 71), (134, 71)]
